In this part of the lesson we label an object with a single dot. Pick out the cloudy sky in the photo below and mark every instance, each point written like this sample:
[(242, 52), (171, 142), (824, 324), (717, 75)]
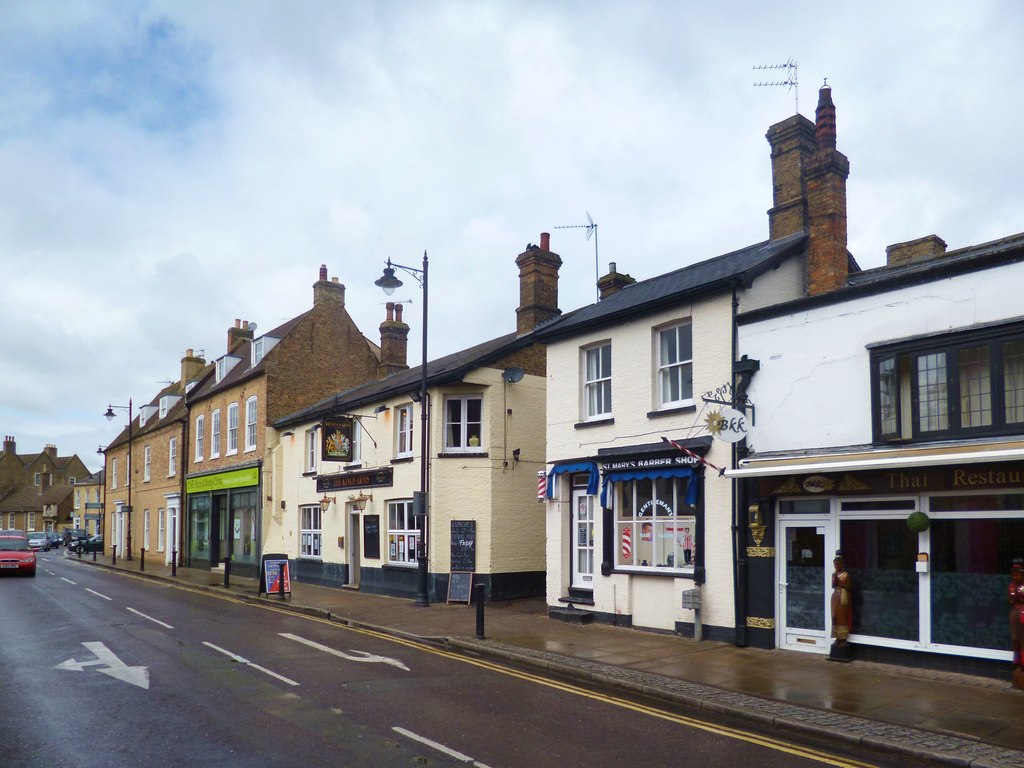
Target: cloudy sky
[(170, 166)]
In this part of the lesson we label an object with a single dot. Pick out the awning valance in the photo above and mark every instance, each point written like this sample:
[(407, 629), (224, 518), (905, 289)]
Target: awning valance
[(590, 467), (621, 476)]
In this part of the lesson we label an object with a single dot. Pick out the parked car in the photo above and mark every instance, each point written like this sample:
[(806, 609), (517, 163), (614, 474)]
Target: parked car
[(39, 540), (16, 556), (91, 544), (71, 535), (54, 537), (13, 532)]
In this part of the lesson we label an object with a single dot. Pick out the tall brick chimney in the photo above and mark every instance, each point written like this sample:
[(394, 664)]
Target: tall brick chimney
[(10, 447), (190, 367), (538, 285), (809, 192), (394, 342), (50, 450), (241, 332), (328, 291), (613, 282)]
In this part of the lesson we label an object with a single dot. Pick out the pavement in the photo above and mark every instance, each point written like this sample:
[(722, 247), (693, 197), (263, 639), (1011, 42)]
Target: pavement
[(899, 714)]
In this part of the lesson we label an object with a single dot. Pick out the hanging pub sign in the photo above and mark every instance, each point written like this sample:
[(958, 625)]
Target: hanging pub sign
[(727, 424), (336, 438)]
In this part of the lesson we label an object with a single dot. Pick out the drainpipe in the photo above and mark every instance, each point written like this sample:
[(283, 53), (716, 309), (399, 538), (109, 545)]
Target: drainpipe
[(739, 553)]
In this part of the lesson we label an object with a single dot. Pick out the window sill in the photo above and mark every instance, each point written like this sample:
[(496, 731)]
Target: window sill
[(672, 411), (463, 455), (594, 423), (686, 573), (309, 559), (399, 566), (309, 473), (402, 460)]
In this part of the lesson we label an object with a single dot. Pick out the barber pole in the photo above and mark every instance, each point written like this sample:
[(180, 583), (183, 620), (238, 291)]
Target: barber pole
[(542, 486), (627, 543)]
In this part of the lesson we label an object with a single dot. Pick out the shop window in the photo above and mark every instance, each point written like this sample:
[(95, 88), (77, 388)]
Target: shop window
[(597, 381), (311, 530), (675, 366), (655, 527), (462, 422), (243, 526), (402, 532), (881, 556), (199, 527), (954, 386), (970, 563)]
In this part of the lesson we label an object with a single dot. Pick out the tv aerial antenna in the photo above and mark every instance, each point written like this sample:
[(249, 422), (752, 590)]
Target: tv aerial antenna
[(591, 228), (791, 82)]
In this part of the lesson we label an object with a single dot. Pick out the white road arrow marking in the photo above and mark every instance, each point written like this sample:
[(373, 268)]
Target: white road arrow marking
[(363, 655), (114, 667)]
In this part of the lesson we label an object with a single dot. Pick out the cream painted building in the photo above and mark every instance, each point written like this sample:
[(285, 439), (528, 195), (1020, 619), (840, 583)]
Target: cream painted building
[(353, 520)]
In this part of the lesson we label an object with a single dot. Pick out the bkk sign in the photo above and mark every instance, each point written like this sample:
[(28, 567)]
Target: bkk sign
[(727, 424)]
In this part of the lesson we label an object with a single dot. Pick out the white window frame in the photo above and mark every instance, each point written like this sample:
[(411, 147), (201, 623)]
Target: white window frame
[(673, 366), (78, 501), (161, 528), (147, 461), (172, 457), (200, 436), (403, 535), (145, 529), (113, 474), (250, 424), (311, 531), (458, 436), (597, 382), (311, 450), (403, 431), (357, 440), (215, 434), (30, 521), (37, 478), (232, 429)]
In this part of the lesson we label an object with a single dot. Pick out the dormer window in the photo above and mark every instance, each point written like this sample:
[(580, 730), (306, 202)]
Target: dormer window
[(147, 411), (224, 366), (167, 402), (260, 348)]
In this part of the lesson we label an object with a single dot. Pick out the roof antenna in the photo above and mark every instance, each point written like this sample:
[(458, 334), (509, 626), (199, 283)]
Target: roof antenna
[(792, 81), (591, 228)]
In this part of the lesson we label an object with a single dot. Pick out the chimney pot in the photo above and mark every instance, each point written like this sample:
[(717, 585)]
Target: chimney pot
[(323, 271), (545, 241)]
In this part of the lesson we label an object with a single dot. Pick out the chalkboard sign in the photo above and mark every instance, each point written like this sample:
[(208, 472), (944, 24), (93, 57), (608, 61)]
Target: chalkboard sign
[(460, 587), (371, 536), (463, 545)]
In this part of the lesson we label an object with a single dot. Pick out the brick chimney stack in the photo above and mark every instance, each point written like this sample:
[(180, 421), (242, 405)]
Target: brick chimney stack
[(241, 332), (809, 192), (50, 450), (538, 285), (10, 447), (613, 282), (394, 342), (190, 367), (328, 291)]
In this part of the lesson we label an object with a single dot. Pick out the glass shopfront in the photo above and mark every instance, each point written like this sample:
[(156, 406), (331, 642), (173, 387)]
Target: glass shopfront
[(223, 520)]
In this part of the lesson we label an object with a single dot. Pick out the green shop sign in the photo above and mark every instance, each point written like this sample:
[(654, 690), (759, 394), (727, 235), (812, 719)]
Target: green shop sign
[(238, 478)]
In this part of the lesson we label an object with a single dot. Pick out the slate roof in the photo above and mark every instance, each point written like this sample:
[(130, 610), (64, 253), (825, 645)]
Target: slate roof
[(444, 370), (703, 278)]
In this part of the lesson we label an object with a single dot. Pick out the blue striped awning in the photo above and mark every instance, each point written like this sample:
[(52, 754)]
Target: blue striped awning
[(621, 476)]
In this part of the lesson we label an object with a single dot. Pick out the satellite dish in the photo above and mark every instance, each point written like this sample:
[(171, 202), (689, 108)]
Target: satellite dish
[(252, 326), (512, 375)]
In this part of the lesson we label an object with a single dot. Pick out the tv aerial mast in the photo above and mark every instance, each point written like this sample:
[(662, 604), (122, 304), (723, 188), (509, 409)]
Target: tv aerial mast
[(591, 228), (792, 81)]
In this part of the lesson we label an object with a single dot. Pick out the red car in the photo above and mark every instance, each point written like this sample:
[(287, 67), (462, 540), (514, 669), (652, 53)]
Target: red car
[(16, 556)]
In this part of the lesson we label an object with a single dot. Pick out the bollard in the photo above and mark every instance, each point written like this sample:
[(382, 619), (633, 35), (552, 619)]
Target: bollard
[(480, 611), (142, 559), (94, 554), (227, 571), (113, 554), (81, 546), (174, 562)]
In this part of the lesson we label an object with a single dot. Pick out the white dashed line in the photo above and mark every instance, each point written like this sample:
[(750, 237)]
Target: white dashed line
[(97, 594), (439, 747), (240, 660), (155, 621), (69, 581)]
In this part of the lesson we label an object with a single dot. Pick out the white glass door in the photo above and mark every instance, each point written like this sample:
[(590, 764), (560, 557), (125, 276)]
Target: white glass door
[(801, 609), (582, 528)]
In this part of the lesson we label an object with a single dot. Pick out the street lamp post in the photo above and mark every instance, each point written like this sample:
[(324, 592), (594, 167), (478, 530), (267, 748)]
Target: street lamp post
[(110, 416), (388, 283)]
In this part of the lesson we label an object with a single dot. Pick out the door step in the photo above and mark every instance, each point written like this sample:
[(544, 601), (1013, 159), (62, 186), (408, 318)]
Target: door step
[(570, 614)]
